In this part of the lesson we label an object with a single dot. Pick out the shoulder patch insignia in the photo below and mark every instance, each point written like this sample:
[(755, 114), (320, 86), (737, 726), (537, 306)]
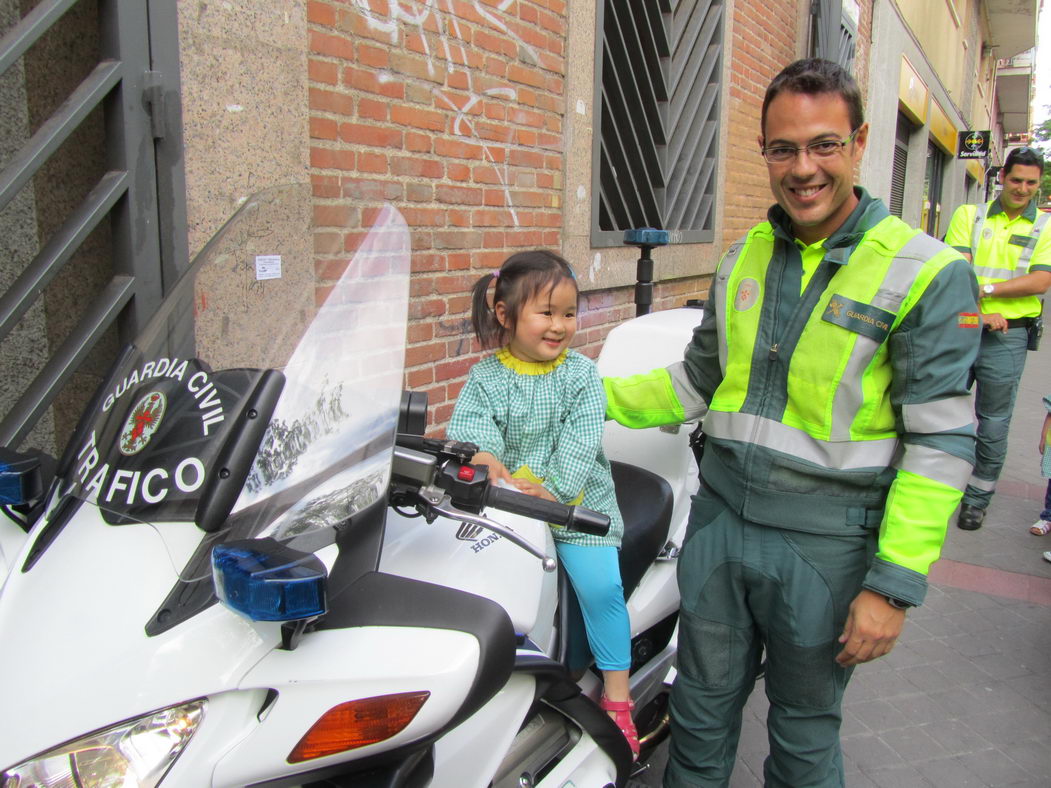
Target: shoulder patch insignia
[(970, 320), (747, 294)]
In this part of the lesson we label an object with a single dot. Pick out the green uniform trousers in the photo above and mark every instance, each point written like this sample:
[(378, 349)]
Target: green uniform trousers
[(747, 588), (997, 373)]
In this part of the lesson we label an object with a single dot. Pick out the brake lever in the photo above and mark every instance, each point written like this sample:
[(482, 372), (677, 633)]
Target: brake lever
[(446, 509)]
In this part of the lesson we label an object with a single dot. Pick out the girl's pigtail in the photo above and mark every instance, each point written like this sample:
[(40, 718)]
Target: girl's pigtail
[(483, 318)]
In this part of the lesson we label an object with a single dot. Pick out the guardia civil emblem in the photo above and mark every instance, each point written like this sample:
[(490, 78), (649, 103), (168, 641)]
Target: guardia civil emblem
[(142, 423), (747, 294)]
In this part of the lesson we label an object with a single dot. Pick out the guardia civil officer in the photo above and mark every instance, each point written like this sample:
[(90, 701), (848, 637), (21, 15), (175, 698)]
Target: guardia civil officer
[(1011, 252), (830, 370)]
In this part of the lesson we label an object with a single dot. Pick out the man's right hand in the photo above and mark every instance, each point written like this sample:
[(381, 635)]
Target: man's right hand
[(995, 322)]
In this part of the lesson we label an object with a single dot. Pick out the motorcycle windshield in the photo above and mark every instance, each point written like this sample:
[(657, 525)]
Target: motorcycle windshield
[(262, 397)]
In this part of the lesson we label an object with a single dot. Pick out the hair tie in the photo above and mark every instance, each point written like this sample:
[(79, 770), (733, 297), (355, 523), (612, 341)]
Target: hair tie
[(496, 274)]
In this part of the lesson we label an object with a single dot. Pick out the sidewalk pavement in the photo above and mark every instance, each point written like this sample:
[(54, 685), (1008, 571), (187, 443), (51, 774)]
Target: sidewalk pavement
[(965, 698)]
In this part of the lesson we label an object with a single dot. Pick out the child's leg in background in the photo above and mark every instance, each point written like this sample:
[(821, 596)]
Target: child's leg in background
[(595, 575), (1046, 514)]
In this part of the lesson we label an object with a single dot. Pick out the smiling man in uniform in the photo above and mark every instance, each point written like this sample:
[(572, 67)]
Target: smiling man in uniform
[(830, 373), (1011, 252)]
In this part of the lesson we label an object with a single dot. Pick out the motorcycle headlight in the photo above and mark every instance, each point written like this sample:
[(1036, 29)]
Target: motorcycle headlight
[(133, 754)]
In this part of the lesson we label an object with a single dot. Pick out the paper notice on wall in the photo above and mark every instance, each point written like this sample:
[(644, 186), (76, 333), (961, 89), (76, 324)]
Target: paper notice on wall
[(267, 266)]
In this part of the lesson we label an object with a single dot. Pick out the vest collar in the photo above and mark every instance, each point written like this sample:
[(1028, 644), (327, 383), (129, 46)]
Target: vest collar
[(869, 212), (1029, 212)]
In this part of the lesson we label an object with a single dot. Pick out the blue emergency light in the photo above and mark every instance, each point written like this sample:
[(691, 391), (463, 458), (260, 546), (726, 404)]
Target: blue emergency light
[(646, 236), (264, 580), (19, 478)]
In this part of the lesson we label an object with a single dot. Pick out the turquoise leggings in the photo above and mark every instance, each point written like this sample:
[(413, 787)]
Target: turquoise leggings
[(595, 575)]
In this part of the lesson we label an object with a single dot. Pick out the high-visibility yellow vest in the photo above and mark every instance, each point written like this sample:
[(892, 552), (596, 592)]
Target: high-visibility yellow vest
[(837, 381), (802, 433), (999, 256)]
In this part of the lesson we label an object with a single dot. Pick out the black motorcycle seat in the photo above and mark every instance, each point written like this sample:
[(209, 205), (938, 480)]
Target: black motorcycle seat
[(645, 501)]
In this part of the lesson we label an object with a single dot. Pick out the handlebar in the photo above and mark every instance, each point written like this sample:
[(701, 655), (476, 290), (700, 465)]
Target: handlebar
[(444, 465), (576, 518)]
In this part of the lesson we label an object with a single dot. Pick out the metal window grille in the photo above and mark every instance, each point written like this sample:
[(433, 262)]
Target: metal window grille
[(833, 33), (658, 73), (900, 165)]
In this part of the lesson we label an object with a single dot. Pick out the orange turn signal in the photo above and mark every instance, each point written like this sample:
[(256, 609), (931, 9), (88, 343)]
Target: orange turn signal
[(357, 723)]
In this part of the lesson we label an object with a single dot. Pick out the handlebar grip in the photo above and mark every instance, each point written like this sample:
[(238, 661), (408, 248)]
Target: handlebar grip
[(576, 518)]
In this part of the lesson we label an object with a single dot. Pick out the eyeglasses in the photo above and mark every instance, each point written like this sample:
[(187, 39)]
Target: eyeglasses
[(779, 154)]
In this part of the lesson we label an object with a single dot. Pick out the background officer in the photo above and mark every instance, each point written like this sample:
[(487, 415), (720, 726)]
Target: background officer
[(1012, 260)]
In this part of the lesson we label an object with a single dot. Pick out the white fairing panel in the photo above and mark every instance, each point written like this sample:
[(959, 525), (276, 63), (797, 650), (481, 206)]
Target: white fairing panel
[(480, 562), (651, 342), (86, 652)]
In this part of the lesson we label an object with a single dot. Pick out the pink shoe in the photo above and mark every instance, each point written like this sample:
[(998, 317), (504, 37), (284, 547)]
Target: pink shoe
[(623, 709)]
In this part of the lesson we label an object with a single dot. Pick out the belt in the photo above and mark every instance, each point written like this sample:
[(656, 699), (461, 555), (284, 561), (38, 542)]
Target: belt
[(1017, 322), (1020, 322)]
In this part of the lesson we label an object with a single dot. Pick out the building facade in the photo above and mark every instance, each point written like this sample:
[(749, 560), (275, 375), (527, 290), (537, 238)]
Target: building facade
[(938, 72), (493, 125)]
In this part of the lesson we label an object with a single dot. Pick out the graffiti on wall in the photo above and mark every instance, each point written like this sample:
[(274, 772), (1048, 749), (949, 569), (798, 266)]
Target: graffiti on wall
[(445, 49)]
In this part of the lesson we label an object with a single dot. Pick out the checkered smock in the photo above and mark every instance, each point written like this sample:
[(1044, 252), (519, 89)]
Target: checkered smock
[(543, 420)]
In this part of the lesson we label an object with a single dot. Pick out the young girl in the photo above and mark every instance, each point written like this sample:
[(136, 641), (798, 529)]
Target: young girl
[(536, 411)]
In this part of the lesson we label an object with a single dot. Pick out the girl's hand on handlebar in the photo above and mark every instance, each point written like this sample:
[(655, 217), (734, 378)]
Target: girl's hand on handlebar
[(497, 470), (534, 489)]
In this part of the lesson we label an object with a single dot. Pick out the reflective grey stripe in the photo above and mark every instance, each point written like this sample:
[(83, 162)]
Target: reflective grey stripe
[(936, 465), (847, 397), (1027, 253), (988, 272), (942, 415), (981, 484), (1022, 266), (726, 268), (693, 403), (980, 212), (771, 434), (898, 280)]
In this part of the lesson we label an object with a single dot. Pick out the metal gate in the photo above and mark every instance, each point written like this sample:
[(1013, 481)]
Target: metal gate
[(91, 198)]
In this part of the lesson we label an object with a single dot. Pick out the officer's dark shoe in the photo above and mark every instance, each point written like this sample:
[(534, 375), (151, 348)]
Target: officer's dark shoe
[(970, 518)]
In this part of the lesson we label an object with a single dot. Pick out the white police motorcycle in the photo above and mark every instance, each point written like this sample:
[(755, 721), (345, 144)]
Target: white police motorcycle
[(250, 569)]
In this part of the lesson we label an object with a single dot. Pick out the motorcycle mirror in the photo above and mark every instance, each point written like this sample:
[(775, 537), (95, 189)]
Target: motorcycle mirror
[(412, 416)]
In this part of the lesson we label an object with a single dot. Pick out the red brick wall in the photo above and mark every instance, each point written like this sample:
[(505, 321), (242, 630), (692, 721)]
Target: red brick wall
[(763, 41), (454, 110), (863, 49)]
